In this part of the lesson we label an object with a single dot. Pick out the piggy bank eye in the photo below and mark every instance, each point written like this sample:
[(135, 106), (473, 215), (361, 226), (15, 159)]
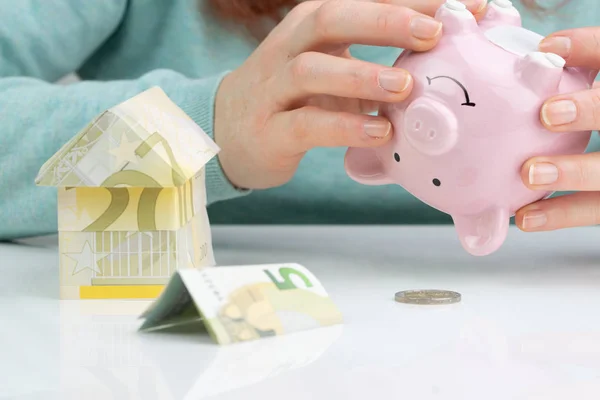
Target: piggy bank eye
[(397, 157), (437, 182)]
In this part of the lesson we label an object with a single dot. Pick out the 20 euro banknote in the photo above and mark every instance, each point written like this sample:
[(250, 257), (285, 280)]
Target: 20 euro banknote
[(241, 303)]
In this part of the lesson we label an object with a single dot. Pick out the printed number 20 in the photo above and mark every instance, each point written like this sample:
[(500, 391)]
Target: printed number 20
[(287, 283)]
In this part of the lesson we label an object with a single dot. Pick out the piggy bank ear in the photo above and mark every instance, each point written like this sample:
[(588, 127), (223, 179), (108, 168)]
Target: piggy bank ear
[(363, 166)]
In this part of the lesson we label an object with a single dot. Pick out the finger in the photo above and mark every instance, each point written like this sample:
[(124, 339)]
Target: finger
[(481, 12), (579, 47), (563, 173), (568, 211), (314, 73), (343, 22), (305, 128), (579, 111), (430, 7)]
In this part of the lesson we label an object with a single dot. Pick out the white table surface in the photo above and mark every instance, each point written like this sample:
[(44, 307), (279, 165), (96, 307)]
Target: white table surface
[(528, 326)]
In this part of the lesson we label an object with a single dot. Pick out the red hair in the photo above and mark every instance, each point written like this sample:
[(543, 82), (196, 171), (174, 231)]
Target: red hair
[(247, 11)]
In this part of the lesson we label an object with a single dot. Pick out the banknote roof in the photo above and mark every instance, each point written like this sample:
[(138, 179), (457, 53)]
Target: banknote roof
[(146, 141)]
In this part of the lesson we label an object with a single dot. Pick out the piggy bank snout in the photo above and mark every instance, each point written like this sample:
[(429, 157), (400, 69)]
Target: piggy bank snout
[(429, 126)]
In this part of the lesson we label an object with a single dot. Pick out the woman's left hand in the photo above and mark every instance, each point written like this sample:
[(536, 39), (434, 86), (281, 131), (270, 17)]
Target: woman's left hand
[(580, 173)]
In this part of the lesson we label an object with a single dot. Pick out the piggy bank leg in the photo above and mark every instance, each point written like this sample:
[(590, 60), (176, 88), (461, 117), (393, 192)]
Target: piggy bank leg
[(484, 233)]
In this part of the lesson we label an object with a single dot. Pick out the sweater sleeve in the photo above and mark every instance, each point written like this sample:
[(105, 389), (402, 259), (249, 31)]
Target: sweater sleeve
[(37, 118), (50, 39)]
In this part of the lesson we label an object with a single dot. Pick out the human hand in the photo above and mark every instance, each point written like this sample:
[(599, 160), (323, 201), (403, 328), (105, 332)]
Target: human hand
[(580, 173), (302, 89)]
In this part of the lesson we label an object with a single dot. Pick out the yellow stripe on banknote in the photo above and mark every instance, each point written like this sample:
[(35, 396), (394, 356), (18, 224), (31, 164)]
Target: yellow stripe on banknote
[(190, 207), (146, 213), (121, 292), (196, 240), (193, 200), (180, 208), (185, 198)]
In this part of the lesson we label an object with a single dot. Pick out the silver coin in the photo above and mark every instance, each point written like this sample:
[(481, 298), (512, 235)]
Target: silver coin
[(428, 296)]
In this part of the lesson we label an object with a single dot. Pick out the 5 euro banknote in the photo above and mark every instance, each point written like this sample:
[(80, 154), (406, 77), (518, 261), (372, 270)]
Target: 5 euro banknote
[(242, 303)]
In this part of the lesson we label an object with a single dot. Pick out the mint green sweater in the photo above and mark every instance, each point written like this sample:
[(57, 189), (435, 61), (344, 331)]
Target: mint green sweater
[(121, 47)]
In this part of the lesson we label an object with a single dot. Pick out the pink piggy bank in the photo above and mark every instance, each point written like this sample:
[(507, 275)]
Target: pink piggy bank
[(471, 121)]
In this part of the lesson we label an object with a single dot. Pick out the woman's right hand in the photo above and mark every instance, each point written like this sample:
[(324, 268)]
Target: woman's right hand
[(302, 89)]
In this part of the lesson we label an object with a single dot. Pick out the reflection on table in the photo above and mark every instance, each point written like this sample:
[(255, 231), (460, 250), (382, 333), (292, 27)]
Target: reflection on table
[(101, 352)]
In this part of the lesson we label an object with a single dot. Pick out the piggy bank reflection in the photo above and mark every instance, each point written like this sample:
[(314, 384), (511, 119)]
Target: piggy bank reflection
[(471, 121)]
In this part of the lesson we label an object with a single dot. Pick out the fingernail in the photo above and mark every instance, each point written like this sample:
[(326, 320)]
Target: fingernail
[(543, 174), (560, 112), (394, 80), (377, 128), (425, 28), (556, 44), (534, 220), (474, 5)]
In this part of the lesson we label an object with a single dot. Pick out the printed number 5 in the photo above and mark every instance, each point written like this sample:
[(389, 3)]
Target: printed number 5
[(287, 283)]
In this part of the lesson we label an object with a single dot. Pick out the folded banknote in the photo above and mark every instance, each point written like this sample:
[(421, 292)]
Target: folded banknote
[(241, 303)]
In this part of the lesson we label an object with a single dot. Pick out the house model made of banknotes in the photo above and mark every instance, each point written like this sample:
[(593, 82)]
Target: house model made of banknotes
[(131, 200)]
